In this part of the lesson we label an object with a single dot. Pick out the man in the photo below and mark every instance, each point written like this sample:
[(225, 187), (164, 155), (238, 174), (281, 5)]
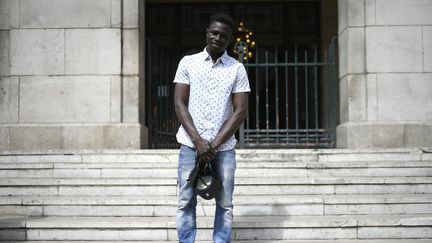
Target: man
[(210, 99)]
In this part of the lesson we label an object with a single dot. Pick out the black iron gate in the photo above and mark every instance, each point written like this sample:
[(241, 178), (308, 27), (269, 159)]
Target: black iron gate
[(292, 103), (161, 119), (293, 99)]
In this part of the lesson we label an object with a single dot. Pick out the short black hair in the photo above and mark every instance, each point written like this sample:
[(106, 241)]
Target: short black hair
[(223, 18)]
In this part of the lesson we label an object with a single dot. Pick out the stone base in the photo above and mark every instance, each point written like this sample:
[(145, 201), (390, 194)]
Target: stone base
[(72, 136), (384, 134)]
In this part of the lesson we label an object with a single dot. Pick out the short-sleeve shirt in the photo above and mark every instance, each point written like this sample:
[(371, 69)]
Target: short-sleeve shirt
[(210, 93)]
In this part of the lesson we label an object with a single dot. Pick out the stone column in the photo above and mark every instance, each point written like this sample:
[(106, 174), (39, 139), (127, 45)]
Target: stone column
[(8, 84), (385, 54), (69, 74)]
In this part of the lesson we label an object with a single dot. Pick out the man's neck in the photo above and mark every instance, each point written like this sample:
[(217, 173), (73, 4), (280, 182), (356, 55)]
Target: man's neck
[(215, 56)]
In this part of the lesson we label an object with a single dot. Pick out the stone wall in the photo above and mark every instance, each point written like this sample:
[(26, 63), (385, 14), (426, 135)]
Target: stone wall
[(69, 74), (385, 52)]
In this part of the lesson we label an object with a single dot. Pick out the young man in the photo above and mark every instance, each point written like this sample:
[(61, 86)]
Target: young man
[(210, 99)]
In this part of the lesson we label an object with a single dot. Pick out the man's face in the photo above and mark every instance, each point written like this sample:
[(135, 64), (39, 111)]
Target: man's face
[(218, 37)]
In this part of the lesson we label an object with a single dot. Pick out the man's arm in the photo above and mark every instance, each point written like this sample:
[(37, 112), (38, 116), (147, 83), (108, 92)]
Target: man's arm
[(240, 101), (181, 99)]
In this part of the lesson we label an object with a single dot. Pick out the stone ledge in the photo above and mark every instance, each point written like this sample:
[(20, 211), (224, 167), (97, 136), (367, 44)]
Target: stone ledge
[(243, 152), (330, 158), (169, 170), (248, 241), (349, 199), (241, 222), (33, 138), (242, 181), (384, 134), (11, 163)]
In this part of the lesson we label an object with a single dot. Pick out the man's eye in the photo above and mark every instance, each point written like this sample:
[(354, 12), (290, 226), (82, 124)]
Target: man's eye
[(215, 33)]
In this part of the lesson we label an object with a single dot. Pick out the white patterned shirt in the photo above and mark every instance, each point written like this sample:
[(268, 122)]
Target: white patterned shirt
[(210, 93)]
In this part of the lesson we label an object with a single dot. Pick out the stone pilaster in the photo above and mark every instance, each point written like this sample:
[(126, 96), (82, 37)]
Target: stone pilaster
[(385, 73)]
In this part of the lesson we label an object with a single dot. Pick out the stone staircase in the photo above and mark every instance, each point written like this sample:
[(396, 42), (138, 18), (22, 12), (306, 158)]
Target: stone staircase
[(281, 196)]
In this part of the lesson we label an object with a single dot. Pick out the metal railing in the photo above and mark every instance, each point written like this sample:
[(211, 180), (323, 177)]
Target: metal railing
[(293, 99)]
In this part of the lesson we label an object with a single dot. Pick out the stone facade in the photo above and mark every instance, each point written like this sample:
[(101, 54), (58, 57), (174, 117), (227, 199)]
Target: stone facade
[(385, 73), (69, 74)]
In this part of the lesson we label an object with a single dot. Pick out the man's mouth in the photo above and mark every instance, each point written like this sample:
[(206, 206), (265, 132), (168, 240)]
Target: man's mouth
[(216, 45)]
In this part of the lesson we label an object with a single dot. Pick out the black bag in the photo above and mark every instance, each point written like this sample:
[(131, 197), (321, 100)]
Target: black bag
[(205, 181)]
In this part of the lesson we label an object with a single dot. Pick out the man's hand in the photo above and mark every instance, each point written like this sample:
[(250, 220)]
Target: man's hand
[(205, 152)]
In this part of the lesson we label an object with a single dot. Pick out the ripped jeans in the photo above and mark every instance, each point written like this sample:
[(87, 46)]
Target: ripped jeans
[(186, 213)]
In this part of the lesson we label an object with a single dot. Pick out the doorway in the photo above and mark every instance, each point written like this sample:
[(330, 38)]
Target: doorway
[(292, 74)]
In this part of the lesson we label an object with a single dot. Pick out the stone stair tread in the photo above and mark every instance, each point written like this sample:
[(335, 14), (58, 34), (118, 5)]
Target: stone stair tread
[(411, 154), (377, 198), (338, 241), (240, 164), (259, 222), (143, 171), (249, 241), (240, 151), (238, 199), (239, 181), (333, 180), (85, 181)]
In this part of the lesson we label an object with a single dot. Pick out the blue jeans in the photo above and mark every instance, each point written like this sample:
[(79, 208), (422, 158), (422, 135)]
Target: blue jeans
[(186, 213)]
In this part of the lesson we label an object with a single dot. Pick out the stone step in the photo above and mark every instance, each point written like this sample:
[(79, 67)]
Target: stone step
[(247, 241), (251, 169), (281, 196), (240, 164), (239, 199), (161, 156), (240, 172), (244, 186), (239, 181), (244, 205), (244, 228)]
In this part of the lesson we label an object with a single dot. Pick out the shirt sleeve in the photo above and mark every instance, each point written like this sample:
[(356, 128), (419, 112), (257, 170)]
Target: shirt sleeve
[(182, 75), (241, 83)]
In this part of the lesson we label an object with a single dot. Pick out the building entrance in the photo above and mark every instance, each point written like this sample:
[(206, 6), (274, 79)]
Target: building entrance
[(292, 75)]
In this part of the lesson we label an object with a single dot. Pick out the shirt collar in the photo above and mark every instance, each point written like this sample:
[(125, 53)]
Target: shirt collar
[(223, 59)]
